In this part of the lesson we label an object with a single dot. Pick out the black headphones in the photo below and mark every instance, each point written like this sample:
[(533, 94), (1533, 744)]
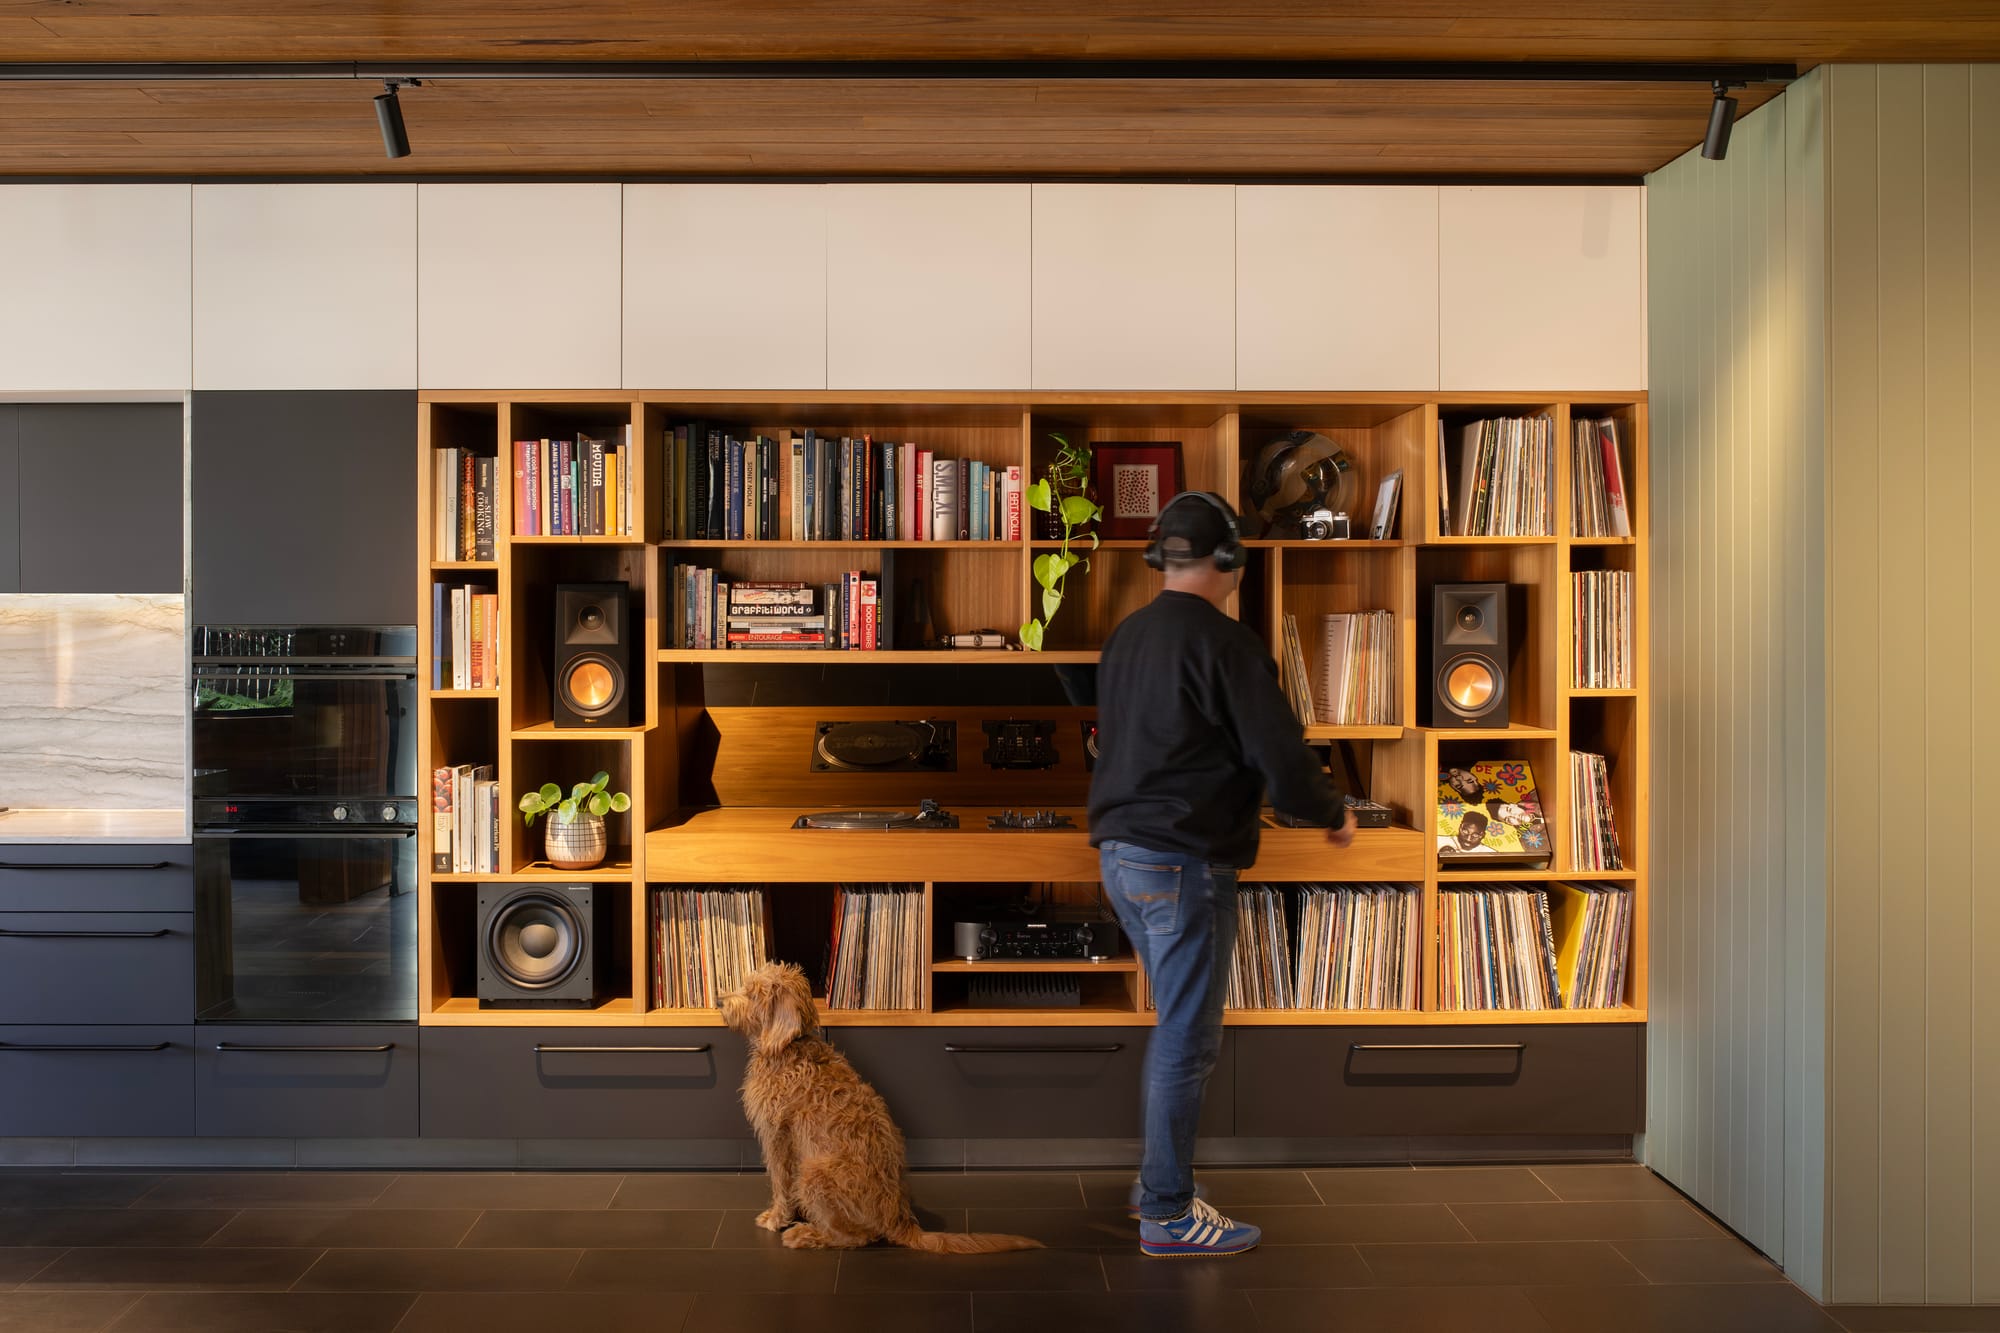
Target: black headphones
[(1228, 553)]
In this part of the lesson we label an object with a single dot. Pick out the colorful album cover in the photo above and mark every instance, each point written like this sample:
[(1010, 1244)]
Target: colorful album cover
[(1490, 812)]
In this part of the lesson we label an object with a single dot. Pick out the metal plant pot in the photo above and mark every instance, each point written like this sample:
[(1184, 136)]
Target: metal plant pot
[(577, 845)]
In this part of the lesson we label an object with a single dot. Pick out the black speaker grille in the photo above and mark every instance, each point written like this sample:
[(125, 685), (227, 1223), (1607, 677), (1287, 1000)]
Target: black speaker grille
[(536, 941)]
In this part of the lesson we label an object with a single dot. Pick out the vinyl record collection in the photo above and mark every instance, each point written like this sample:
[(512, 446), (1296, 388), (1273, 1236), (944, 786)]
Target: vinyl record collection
[(1551, 946), (1326, 946), (1601, 637), (1597, 481), (1593, 838), (1357, 669), (706, 941), (1505, 481), (1292, 674), (1593, 927), (879, 955)]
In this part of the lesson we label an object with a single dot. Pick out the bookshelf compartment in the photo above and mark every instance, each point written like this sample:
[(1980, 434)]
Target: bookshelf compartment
[(1534, 603), (1625, 428), (1448, 470), (528, 653), (549, 424), (1549, 767), (1333, 947), (1031, 995), (1377, 441), (1609, 725), (1095, 599), (455, 953), (467, 432), (1313, 584), (567, 762)]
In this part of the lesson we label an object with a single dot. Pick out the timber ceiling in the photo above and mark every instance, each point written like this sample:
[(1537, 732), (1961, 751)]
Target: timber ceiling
[(1214, 130)]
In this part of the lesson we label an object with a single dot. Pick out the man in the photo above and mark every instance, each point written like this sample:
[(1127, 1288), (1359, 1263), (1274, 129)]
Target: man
[(1193, 729)]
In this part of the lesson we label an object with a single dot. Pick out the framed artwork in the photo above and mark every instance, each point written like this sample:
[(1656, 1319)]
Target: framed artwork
[(1134, 482)]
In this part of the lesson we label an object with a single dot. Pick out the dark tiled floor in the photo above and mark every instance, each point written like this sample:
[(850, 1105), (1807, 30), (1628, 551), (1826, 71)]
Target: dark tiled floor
[(1514, 1249)]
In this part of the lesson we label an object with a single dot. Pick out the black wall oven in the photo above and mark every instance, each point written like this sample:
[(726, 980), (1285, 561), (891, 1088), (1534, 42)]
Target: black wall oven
[(305, 823)]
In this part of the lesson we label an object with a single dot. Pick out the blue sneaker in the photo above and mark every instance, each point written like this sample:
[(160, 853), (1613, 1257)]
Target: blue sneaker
[(1202, 1231), (1139, 1189)]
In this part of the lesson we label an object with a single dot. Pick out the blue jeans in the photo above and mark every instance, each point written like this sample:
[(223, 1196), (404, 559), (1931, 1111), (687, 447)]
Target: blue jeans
[(1180, 914)]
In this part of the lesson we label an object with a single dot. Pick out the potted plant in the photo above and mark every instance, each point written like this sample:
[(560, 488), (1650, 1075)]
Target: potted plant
[(575, 838), (1063, 494)]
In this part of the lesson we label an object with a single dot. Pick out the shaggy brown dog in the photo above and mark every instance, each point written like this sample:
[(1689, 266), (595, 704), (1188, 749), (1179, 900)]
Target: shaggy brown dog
[(834, 1155)]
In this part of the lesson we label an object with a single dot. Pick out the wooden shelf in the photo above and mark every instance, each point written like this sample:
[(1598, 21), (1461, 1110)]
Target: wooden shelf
[(611, 872), (451, 566), (1087, 1014), (1502, 875), (464, 1011), (1531, 1017), (549, 731), (493, 693), (1370, 732), (899, 656), (1603, 541), (1513, 732), (1300, 544), (1625, 692), (1492, 541), (711, 544), (1082, 544), (964, 968), (577, 540)]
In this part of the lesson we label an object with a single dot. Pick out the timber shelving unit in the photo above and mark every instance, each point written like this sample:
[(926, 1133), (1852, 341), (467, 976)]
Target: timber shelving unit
[(714, 790)]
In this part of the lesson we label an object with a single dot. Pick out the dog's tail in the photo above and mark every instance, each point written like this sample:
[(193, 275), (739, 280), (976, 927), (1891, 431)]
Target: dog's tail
[(914, 1237)]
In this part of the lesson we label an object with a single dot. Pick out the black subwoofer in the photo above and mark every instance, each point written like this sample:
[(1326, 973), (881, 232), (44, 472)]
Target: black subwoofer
[(537, 946), (593, 662), (1469, 655)]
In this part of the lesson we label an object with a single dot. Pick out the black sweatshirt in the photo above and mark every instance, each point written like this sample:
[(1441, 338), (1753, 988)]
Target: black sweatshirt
[(1192, 726)]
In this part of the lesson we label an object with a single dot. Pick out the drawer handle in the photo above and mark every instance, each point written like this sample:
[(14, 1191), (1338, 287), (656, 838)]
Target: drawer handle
[(84, 934), (1107, 1049), (66, 1046), (338, 1050), (1439, 1046), (621, 1050), (83, 865)]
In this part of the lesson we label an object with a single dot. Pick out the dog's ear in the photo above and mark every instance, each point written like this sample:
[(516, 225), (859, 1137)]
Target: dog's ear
[(782, 1020)]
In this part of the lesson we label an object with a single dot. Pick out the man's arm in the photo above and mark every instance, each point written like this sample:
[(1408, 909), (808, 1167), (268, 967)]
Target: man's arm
[(1269, 732)]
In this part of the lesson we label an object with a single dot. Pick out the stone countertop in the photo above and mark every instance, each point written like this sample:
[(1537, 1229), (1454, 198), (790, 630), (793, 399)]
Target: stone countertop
[(18, 826)]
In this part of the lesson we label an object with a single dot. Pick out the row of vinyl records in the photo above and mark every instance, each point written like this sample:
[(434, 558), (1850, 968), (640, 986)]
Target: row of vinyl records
[(808, 487), (465, 637), (1505, 481), (855, 612), (465, 820), (1593, 833), (1543, 946), (1597, 481), (1326, 946), (1601, 629), (574, 488), (706, 943), (1351, 680)]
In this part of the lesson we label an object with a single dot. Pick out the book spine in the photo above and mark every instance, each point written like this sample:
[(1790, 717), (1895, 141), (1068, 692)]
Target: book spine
[(796, 460), (926, 498), (441, 792), (847, 490), (870, 629), (440, 624), (1011, 503), (963, 475), (891, 515), (476, 631), (944, 499), (597, 493)]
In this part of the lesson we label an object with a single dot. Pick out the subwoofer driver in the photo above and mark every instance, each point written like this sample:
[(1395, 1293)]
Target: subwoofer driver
[(537, 946)]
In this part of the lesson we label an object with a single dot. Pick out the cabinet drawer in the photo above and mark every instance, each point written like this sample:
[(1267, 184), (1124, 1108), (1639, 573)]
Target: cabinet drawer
[(1312, 1082), (307, 1082), (97, 1082), (583, 1083), (85, 877), (96, 967), (1019, 1083)]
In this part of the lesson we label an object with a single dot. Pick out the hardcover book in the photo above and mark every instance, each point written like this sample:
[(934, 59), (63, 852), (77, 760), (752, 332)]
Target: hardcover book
[(1489, 813)]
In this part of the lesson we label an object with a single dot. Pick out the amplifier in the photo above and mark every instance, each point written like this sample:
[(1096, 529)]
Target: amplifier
[(1092, 940)]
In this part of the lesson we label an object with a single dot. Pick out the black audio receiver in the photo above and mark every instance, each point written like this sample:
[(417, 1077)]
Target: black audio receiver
[(1084, 940)]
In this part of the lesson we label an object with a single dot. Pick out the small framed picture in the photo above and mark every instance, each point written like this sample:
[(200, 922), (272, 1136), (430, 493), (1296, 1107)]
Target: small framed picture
[(1134, 482)]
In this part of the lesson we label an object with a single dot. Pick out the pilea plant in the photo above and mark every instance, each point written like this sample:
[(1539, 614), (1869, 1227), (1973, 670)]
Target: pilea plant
[(1061, 494), (586, 797)]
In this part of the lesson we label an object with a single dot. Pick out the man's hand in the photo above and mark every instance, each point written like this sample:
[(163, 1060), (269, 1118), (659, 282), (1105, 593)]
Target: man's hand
[(1343, 835)]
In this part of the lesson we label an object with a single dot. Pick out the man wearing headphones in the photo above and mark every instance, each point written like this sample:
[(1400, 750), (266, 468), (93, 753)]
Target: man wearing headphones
[(1193, 731)]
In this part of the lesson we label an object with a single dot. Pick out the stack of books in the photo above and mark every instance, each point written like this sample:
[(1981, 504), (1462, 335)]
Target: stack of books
[(465, 820), (463, 519), (1597, 481), (573, 488), (1260, 973), (1504, 484), (1593, 925), (810, 487), (878, 955), (1593, 838), (1498, 949), (1292, 673), (1357, 669), (465, 638), (1358, 946), (706, 942), (1601, 629), (854, 613)]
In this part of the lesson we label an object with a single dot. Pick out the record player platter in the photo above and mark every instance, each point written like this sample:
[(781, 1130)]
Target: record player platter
[(928, 818), (883, 747)]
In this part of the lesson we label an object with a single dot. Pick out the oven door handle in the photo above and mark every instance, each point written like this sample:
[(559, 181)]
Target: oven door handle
[(310, 835), (239, 674)]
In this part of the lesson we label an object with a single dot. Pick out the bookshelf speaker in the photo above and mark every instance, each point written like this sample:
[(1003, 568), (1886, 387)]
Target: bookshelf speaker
[(1469, 655), (593, 671), (537, 946)]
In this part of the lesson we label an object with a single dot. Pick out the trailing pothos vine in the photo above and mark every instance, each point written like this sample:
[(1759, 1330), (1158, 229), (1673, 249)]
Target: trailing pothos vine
[(1060, 493)]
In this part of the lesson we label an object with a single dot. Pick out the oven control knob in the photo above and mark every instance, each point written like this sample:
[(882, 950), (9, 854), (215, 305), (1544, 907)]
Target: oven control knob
[(340, 814), (388, 814)]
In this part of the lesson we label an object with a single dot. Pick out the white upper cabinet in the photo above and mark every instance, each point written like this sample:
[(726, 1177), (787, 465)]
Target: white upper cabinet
[(927, 286), (1135, 287), (725, 287), (1337, 287), (518, 286), (94, 288), (1543, 287), (305, 286)]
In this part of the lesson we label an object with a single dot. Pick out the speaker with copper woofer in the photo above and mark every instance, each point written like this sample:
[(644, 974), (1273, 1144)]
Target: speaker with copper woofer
[(537, 946), (593, 667), (1469, 655)]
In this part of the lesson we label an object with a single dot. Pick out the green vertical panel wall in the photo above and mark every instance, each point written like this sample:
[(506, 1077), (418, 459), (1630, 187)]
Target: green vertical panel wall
[(1735, 380)]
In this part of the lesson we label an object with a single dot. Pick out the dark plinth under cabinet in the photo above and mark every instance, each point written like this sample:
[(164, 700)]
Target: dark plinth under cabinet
[(88, 1081), (306, 1080), (302, 507), (101, 877), (1544, 1079), (583, 1083), (99, 497)]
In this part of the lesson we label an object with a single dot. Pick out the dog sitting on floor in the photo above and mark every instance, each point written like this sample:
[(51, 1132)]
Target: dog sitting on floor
[(834, 1156)]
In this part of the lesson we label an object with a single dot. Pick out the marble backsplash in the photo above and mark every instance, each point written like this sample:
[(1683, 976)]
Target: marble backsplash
[(93, 701)]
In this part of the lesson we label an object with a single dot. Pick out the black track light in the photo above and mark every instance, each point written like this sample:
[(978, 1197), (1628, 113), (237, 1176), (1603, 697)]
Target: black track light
[(389, 114), (1721, 119)]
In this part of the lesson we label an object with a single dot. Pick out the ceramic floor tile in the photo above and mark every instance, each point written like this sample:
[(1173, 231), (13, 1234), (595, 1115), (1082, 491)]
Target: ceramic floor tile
[(693, 1189), (1718, 1259), (1529, 1264), (1741, 1308), (181, 1269), (441, 1270), (1270, 1266), (1917, 1318), (705, 1270), (596, 1229), (242, 1312), (1401, 1309), (539, 1312), (67, 1227), (1352, 1224), (739, 1312), (739, 1229), (996, 1189), (481, 1189), (61, 1311), (1598, 1184), (1649, 1219), (348, 1228), (1060, 1228), (268, 1189), (83, 1189), (1224, 1189), (886, 1270), (1210, 1311), (1451, 1184)]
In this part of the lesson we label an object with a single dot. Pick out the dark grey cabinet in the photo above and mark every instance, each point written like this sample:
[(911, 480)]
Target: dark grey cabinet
[(10, 503), (307, 1081), (582, 1083), (304, 508), (96, 877), (1313, 1082), (96, 967), (100, 497), (97, 1082)]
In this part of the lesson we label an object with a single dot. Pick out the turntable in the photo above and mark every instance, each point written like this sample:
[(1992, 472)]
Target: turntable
[(927, 819), (884, 747)]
